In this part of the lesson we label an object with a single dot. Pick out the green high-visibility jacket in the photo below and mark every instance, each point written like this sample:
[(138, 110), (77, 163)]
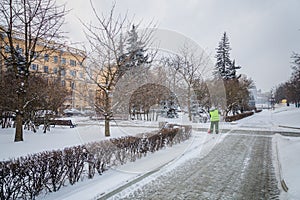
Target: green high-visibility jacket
[(214, 115)]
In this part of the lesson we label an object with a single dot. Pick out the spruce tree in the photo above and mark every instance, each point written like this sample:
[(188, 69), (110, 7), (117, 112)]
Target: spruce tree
[(132, 41), (236, 90), (135, 49), (231, 71), (223, 57)]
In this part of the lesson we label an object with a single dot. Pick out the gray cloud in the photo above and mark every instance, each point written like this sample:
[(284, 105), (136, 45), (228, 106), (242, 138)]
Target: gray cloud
[(263, 34)]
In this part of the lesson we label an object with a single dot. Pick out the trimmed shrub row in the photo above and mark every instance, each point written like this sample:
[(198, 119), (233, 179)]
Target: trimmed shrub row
[(29, 176), (238, 116)]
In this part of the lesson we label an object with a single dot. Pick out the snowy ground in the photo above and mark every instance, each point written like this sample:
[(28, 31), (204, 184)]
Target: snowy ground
[(279, 120)]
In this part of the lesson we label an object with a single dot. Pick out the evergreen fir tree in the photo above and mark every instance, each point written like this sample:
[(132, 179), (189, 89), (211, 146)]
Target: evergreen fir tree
[(231, 71), (132, 41), (135, 49), (223, 57)]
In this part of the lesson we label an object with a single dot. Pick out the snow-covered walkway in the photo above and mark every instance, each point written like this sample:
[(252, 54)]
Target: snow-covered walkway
[(196, 150), (240, 167)]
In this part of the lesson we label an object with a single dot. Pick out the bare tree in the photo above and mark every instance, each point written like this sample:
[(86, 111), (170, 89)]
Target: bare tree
[(188, 66), (238, 95), (29, 28), (202, 94), (148, 96), (290, 90), (38, 101), (42, 102), (108, 63), (7, 99)]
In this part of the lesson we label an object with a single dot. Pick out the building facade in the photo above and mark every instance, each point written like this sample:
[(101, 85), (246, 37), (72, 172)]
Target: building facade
[(64, 64)]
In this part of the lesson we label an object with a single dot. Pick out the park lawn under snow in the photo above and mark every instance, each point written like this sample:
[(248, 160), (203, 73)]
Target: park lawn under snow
[(169, 158)]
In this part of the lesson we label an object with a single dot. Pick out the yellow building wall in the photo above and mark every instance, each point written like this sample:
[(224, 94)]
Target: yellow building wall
[(67, 68)]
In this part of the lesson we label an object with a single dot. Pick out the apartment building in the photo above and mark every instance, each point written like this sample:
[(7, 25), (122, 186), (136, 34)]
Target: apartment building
[(64, 64)]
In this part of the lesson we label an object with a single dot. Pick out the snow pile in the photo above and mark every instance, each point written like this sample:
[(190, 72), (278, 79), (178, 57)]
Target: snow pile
[(289, 150), (286, 117)]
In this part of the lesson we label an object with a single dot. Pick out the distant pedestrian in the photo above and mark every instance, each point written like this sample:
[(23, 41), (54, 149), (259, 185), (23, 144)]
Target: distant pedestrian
[(214, 120)]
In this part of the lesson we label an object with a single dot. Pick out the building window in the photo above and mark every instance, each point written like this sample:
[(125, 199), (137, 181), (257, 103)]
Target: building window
[(34, 55), (55, 59), (72, 85), (81, 75), (55, 70), (73, 73), (46, 57), (73, 62), (63, 72), (63, 61), (63, 83), (46, 69), (19, 50), (35, 67), (7, 49)]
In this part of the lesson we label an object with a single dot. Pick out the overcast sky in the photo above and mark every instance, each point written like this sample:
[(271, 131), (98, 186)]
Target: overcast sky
[(262, 33)]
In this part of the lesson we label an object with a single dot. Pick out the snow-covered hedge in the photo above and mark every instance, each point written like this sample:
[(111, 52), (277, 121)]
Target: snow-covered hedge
[(238, 116), (27, 177)]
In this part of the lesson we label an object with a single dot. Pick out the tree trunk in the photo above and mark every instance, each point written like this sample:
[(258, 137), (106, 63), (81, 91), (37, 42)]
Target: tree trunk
[(106, 127), (19, 119), (19, 128), (107, 116), (189, 103)]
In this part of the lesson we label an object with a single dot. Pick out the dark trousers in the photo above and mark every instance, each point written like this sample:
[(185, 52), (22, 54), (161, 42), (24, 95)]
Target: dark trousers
[(215, 125)]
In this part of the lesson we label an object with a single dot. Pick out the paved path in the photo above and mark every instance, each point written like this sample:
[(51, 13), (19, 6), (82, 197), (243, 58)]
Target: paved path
[(240, 167)]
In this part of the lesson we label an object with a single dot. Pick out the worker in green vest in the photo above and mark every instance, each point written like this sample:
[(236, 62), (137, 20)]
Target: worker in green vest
[(214, 120)]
